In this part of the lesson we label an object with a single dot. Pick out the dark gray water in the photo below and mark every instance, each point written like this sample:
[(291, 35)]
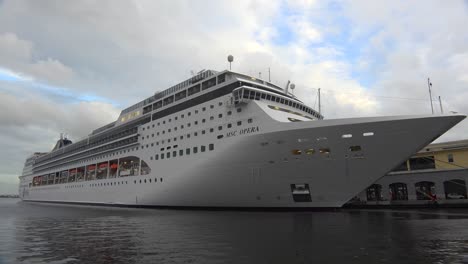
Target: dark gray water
[(44, 233)]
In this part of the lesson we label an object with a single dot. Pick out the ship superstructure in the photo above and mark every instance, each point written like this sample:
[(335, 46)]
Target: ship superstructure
[(225, 139)]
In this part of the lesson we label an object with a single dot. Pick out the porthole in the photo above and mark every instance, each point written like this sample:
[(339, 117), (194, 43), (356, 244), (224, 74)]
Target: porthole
[(355, 148), (296, 152), (309, 151), (324, 151)]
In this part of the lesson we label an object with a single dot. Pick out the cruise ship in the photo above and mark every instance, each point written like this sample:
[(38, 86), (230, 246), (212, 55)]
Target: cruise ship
[(228, 140)]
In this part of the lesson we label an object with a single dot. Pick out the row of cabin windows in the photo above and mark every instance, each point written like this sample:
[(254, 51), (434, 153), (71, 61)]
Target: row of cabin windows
[(290, 112), (194, 150), (189, 113), (123, 167), (257, 95), (229, 125), (182, 94)]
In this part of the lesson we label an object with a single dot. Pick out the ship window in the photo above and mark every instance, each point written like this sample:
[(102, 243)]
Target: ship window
[(239, 123), (221, 78), (174, 153), (175, 118), (168, 154), (220, 136), (211, 106), (211, 118), (202, 148), (220, 128), (129, 166), (180, 95), (181, 152), (195, 134), (310, 151), (164, 122), (296, 152), (204, 109), (168, 100), (194, 89), (203, 132), (90, 173), (347, 136), (211, 130), (368, 134), (250, 120), (324, 151), (181, 137), (145, 169), (196, 111), (220, 103), (187, 151), (188, 135), (220, 115), (170, 120), (229, 125), (229, 113), (196, 122), (239, 110), (203, 120), (162, 155), (188, 125), (182, 116), (195, 150), (211, 147), (102, 170), (181, 126), (209, 83), (355, 148), (156, 157), (189, 113)]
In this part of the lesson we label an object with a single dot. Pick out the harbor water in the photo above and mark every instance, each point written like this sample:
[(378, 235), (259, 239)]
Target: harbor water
[(50, 233)]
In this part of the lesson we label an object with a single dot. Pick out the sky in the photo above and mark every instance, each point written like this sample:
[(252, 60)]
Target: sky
[(72, 66)]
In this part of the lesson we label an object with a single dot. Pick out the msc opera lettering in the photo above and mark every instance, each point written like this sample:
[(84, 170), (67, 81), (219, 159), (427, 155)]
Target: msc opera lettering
[(243, 131)]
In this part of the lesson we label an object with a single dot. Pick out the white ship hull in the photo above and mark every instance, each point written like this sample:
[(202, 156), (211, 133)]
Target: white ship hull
[(259, 169)]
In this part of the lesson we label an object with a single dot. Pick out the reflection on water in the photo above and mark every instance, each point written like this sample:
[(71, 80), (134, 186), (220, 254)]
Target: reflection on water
[(44, 233)]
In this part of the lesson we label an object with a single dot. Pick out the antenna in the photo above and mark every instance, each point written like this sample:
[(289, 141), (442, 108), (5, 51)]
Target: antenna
[(269, 77), (429, 84), (440, 103), (230, 58), (319, 102), (287, 86), (259, 75)]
